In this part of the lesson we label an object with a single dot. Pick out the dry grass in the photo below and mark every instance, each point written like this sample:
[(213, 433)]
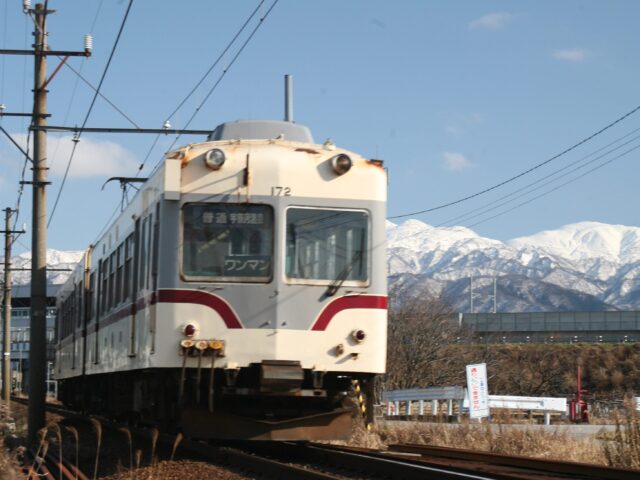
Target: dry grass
[(624, 448), (546, 444), (8, 462)]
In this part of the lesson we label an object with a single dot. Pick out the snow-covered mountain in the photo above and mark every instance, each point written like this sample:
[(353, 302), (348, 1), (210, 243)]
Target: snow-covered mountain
[(55, 259), (582, 266)]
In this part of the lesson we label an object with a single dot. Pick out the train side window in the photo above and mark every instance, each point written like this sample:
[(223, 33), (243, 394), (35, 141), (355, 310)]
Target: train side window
[(79, 305), (119, 273), (72, 309), (147, 273), (90, 296), (112, 280), (128, 254), (103, 288), (143, 254)]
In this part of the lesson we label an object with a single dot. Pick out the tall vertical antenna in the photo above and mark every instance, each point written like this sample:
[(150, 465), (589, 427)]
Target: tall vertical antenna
[(288, 98)]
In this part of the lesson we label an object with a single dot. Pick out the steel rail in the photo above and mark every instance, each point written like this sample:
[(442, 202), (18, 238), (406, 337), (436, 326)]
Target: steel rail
[(57, 466), (246, 459), (267, 466), (374, 462), (37, 468), (70, 471), (583, 470)]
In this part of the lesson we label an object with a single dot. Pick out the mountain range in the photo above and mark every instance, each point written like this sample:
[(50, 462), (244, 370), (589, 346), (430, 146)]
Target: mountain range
[(578, 267)]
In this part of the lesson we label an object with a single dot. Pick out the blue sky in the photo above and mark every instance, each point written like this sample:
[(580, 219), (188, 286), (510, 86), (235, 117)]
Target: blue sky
[(455, 96)]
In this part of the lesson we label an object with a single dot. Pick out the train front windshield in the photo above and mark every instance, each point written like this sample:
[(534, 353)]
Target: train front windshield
[(325, 246), (227, 242)]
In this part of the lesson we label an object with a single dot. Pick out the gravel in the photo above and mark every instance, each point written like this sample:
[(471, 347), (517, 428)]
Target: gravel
[(181, 470)]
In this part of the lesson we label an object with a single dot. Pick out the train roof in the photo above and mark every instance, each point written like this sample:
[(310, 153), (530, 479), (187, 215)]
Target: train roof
[(261, 130)]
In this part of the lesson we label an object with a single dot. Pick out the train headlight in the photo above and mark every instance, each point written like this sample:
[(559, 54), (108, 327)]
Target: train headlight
[(189, 330), (214, 158), (358, 335), (341, 163)]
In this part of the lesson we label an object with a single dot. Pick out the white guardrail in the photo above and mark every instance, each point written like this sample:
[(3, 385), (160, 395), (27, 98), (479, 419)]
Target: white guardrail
[(396, 399), (544, 404)]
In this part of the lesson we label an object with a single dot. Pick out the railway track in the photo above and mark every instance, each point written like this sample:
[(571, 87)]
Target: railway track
[(308, 460), (538, 467), (421, 461)]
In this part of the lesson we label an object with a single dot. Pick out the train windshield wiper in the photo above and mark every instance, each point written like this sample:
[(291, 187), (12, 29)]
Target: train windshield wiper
[(342, 276)]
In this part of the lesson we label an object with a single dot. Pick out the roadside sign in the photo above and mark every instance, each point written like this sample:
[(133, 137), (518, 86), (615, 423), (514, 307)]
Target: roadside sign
[(478, 390)]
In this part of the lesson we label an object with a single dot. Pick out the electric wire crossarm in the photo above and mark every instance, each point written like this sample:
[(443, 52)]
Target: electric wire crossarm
[(60, 53), (79, 130)]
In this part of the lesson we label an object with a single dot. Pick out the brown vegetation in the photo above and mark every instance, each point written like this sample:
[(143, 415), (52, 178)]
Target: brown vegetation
[(427, 348), (624, 448), (503, 439)]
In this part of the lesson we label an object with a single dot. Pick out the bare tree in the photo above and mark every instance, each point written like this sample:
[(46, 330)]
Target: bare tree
[(420, 329)]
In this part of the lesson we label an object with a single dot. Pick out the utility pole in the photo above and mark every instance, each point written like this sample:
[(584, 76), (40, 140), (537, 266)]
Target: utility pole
[(38, 324), (470, 293), (495, 295), (6, 310)]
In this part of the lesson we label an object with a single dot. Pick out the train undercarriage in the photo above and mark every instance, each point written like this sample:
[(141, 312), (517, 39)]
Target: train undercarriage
[(272, 400)]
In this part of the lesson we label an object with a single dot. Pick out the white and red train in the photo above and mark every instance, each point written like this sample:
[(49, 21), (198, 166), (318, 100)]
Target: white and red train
[(238, 295)]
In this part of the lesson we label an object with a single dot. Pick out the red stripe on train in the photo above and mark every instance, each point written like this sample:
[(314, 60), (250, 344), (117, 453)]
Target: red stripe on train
[(343, 303), (206, 299)]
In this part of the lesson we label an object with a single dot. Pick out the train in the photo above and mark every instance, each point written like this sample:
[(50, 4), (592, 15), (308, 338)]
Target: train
[(240, 294)]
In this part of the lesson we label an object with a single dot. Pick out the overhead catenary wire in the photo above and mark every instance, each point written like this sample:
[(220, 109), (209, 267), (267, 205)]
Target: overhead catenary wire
[(526, 189), (521, 174), (86, 118), (192, 91), (101, 95), (597, 167), (74, 90), (201, 80), (21, 184), (106, 225), (551, 182), (226, 70), (4, 45)]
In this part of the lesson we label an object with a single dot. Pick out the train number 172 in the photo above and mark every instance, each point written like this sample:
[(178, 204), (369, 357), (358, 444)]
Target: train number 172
[(280, 191)]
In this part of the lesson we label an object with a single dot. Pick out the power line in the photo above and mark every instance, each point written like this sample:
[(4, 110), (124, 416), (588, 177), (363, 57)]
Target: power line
[(224, 72), (202, 79), (75, 85), (526, 188), (86, 118), (22, 177), (106, 225), (597, 167), (521, 174), (4, 45), (101, 95), (550, 182)]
